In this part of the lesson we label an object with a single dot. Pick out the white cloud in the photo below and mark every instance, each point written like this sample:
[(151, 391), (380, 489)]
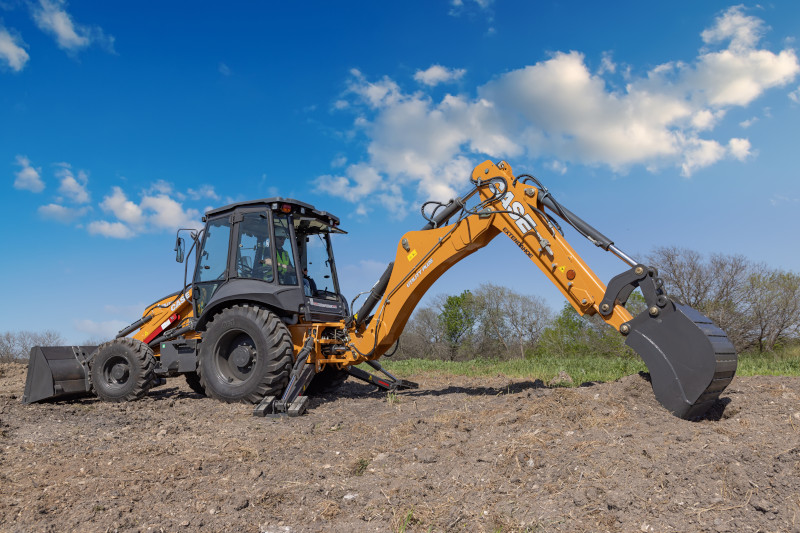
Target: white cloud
[(749, 122), (733, 25), (378, 94), (795, 95), (436, 74), (116, 230), (458, 6), (73, 187), (122, 208), (162, 187), (557, 109), (99, 330), (165, 213), (224, 69), (557, 166), (778, 199), (699, 153), (607, 64), (12, 51), (157, 211), (204, 191), (28, 177), (739, 148), (62, 214), (51, 17)]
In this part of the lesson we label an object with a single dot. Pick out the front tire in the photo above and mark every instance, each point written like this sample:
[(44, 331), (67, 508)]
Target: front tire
[(246, 354), (122, 370)]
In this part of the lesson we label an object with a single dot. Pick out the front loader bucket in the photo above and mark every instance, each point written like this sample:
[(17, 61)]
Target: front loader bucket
[(690, 359), (56, 371)]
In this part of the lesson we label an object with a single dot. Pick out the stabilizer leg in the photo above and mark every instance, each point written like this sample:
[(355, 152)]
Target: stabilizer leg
[(291, 403), (392, 384)]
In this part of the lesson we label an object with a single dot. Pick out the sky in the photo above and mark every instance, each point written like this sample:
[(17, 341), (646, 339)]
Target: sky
[(661, 123)]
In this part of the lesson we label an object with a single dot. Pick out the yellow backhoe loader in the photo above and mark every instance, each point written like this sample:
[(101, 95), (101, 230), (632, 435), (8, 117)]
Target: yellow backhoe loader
[(263, 320)]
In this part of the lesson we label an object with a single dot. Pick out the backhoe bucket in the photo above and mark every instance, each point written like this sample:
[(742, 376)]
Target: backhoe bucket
[(690, 359), (57, 371)]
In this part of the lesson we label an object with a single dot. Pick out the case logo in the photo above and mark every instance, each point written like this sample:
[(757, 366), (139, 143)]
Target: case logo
[(180, 301)]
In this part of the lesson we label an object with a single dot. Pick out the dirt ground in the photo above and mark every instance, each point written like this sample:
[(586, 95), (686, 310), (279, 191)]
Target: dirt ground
[(459, 454)]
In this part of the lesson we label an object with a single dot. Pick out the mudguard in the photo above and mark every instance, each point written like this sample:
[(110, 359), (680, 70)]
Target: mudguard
[(690, 359), (57, 371)]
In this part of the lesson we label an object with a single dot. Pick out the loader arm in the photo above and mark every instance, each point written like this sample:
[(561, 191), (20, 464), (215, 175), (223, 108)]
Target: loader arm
[(690, 360)]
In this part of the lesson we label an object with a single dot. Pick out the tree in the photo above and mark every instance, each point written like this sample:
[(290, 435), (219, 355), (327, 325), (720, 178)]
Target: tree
[(423, 336), (573, 335), (16, 346), (755, 305), (457, 318), (509, 321), (719, 288), (775, 307)]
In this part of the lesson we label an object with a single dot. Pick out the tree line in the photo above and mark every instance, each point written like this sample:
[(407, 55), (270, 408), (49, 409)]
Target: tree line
[(16, 346), (757, 306)]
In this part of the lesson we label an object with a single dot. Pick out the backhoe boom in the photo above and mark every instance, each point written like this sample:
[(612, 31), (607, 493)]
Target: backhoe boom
[(687, 376)]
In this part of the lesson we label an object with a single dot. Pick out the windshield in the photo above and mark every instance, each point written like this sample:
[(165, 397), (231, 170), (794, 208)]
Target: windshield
[(214, 257)]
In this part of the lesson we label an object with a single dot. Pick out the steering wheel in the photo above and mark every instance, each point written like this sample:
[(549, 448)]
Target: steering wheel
[(245, 269)]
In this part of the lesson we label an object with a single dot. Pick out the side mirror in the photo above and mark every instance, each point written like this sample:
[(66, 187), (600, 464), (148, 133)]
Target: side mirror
[(180, 246)]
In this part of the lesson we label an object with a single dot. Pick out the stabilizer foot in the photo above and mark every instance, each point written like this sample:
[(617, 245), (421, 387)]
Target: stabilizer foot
[(271, 407)]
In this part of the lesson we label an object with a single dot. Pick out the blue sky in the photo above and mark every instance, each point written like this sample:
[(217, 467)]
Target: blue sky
[(662, 123)]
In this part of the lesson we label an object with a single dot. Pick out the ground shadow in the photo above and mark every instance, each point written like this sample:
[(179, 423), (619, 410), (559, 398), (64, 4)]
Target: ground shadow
[(715, 413), (172, 393), (353, 389)]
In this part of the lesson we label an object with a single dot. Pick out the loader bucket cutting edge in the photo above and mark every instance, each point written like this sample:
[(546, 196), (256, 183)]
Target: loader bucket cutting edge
[(690, 359), (57, 371)]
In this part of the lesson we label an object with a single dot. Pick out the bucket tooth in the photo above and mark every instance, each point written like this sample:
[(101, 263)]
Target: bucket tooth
[(57, 371), (690, 359)]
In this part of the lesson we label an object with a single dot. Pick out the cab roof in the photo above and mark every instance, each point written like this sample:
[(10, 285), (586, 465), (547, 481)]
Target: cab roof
[(276, 203)]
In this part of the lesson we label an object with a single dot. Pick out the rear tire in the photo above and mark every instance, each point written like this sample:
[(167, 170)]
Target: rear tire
[(122, 370), (246, 354)]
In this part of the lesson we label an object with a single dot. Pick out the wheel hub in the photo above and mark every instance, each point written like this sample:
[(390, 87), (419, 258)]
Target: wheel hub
[(242, 356), (119, 372)]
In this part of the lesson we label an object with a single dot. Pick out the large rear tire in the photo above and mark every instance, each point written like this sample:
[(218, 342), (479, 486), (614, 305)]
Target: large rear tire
[(123, 370), (246, 354)]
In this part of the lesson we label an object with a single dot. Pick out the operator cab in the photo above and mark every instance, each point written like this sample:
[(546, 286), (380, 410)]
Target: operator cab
[(275, 252)]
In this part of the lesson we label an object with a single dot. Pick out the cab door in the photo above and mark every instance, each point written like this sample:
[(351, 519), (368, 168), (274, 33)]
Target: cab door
[(212, 262)]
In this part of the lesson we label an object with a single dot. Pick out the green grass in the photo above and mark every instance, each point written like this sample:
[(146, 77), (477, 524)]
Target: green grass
[(580, 369), (784, 362)]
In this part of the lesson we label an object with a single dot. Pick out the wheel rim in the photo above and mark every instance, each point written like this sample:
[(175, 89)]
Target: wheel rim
[(116, 371), (235, 357)]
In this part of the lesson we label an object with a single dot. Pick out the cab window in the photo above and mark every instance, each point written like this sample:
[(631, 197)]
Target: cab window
[(214, 257), (284, 252), (253, 254)]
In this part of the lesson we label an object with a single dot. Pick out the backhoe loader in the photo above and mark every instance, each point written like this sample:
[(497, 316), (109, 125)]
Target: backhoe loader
[(263, 320)]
